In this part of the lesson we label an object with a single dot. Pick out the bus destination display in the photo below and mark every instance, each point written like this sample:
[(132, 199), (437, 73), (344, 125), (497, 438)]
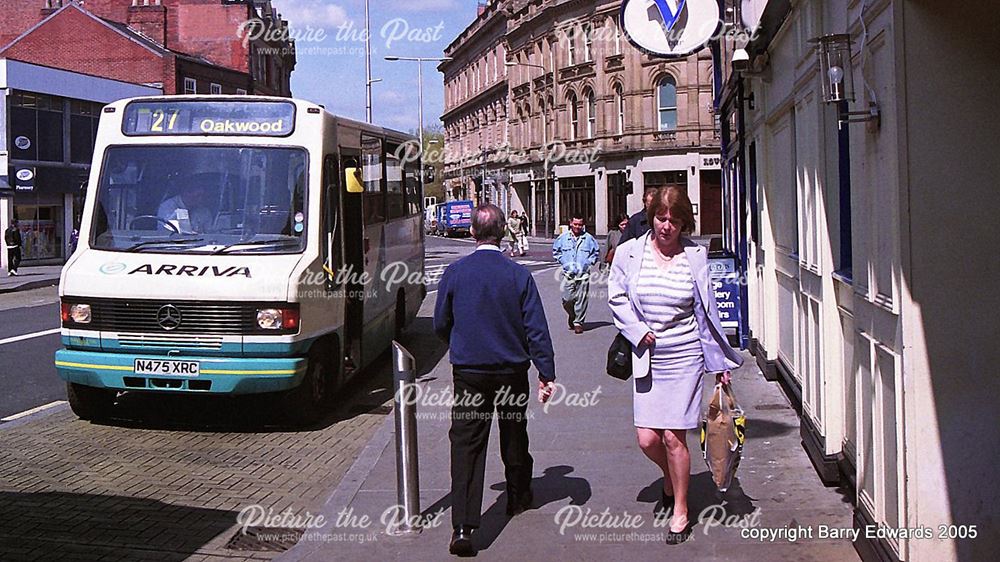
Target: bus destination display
[(155, 118)]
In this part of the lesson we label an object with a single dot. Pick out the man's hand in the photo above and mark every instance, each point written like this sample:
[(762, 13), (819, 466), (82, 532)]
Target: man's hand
[(725, 377), (649, 340), (545, 391)]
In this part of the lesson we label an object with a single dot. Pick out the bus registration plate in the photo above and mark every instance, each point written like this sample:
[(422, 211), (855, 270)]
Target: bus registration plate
[(167, 367)]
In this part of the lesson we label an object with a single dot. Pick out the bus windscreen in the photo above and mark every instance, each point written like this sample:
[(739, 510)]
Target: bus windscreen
[(228, 118)]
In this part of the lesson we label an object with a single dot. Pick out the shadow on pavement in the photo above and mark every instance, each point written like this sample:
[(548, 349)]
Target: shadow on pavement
[(767, 428), (56, 526), (702, 495), (554, 485)]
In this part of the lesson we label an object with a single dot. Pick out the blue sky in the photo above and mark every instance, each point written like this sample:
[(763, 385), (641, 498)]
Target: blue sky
[(333, 74)]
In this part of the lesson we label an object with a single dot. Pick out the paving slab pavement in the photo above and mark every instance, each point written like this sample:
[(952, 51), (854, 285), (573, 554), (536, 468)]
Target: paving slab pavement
[(594, 490), (30, 278)]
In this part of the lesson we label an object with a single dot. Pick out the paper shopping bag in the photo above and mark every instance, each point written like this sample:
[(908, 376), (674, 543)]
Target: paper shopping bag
[(722, 435)]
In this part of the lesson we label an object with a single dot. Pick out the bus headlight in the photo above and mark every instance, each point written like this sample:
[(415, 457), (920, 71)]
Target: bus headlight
[(76, 313), (278, 318)]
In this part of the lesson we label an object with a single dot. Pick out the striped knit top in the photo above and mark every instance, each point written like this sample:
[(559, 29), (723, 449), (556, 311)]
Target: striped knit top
[(666, 297)]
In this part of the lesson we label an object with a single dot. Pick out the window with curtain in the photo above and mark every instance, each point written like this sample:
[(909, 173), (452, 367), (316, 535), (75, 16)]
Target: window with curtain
[(571, 46), (666, 98), (574, 116), (591, 114), (620, 108)]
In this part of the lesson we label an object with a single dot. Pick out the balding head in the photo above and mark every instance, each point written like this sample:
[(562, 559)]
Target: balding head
[(488, 224)]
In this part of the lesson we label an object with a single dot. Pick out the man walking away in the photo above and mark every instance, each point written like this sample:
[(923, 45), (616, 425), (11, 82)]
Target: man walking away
[(576, 251), (638, 224), (12, 238), (489, 312)]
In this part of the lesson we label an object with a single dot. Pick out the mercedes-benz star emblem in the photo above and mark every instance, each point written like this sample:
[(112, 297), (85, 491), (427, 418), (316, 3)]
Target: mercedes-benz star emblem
[(168, 317)]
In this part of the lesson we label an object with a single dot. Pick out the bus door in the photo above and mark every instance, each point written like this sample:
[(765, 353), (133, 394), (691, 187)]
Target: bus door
[(354, 255)]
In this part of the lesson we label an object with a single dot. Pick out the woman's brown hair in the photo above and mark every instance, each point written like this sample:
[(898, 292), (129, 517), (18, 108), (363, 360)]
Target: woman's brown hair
[(674, 200)]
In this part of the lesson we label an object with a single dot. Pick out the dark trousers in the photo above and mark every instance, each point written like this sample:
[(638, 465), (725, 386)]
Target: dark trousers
[(477, 396), (13, 258)]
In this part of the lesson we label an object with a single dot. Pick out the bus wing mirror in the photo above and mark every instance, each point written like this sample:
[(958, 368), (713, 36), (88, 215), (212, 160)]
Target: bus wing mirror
[(352, 180)]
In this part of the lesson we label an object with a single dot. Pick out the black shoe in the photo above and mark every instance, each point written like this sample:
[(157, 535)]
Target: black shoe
[(461, 542), (519, 503), (678, 537)]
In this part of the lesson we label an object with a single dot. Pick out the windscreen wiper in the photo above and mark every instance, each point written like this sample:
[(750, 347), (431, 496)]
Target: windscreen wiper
[(177, 241), (256, 243)]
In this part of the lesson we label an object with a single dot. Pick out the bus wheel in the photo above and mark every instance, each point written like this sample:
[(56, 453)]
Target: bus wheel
[(89, 403), (303, 405)]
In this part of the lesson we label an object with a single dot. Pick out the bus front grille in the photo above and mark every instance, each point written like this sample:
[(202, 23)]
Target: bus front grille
[(143, 317)]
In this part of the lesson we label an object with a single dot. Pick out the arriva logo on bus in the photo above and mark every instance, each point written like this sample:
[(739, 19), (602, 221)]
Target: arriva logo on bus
[(186, 270), (241, 127)]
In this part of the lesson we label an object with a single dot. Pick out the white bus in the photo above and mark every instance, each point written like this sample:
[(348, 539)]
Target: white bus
[(237, 245)]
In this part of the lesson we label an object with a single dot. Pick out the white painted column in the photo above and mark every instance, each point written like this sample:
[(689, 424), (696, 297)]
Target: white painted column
[(601, 201)]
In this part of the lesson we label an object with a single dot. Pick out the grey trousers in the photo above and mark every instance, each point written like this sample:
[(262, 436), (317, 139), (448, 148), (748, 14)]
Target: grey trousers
[(575, 297)]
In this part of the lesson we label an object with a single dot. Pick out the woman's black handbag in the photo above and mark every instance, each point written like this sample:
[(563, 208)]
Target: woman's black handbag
[(620, 358)]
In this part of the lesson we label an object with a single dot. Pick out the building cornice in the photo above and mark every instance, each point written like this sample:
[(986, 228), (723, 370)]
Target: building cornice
[(477, 100)]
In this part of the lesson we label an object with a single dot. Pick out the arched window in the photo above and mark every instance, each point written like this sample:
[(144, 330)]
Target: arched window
[(574, 116), (620, 108), (527, 124), (571, 45), (588, 43), (591, 113), (551, 130), (666, 103)]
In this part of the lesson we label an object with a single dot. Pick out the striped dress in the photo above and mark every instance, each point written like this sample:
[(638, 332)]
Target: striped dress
[(670, 396)]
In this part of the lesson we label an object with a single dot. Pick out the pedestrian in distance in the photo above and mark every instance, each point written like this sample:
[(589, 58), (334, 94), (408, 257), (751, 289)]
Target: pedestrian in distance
[(489, 311), (12, 238), (614, 239), (576, 251), (662, 301), (514, 226), (524, 234), (638, 224)]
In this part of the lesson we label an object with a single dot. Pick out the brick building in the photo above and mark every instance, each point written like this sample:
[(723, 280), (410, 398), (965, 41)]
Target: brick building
[(629, 120), (181, 46)]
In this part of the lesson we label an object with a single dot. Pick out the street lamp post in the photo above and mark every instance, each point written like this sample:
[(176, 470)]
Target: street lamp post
[(420, 88), (545, 141)]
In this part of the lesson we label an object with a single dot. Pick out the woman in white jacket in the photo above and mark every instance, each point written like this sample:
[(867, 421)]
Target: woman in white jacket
[(662, 302)]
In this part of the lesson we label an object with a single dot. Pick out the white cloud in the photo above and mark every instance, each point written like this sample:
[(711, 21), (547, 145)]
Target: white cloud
[(392, 97), (316, 13), (428, 5)]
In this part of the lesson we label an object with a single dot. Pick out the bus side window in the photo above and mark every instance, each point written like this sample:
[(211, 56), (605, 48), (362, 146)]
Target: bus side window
[(374, 195), (333, 250), (395, 194), (414, 188)]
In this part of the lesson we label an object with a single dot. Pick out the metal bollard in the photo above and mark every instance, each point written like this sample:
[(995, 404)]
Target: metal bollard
[(407, 473)]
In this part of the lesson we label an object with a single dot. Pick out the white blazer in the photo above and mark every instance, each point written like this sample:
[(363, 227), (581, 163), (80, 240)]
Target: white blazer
[(629, 318)]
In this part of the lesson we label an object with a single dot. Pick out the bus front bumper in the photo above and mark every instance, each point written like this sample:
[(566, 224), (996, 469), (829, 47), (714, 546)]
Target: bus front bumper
[(217, 375)]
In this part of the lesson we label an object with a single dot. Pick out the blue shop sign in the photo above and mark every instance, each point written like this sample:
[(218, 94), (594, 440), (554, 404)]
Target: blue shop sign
[(726, 286)]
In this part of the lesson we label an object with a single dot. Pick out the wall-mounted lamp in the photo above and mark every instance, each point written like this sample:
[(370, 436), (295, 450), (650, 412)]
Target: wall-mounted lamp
[(838, 77)]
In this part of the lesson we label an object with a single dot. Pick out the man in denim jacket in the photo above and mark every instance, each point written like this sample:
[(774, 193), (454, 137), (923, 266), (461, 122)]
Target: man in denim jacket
[(576, 251)]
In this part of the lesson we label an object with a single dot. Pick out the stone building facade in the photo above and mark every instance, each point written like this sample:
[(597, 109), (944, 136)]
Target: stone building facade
[(549, 109)]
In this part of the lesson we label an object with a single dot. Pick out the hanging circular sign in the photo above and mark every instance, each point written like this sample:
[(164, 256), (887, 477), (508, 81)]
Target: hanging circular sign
[(670, 28), (24, 143)]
